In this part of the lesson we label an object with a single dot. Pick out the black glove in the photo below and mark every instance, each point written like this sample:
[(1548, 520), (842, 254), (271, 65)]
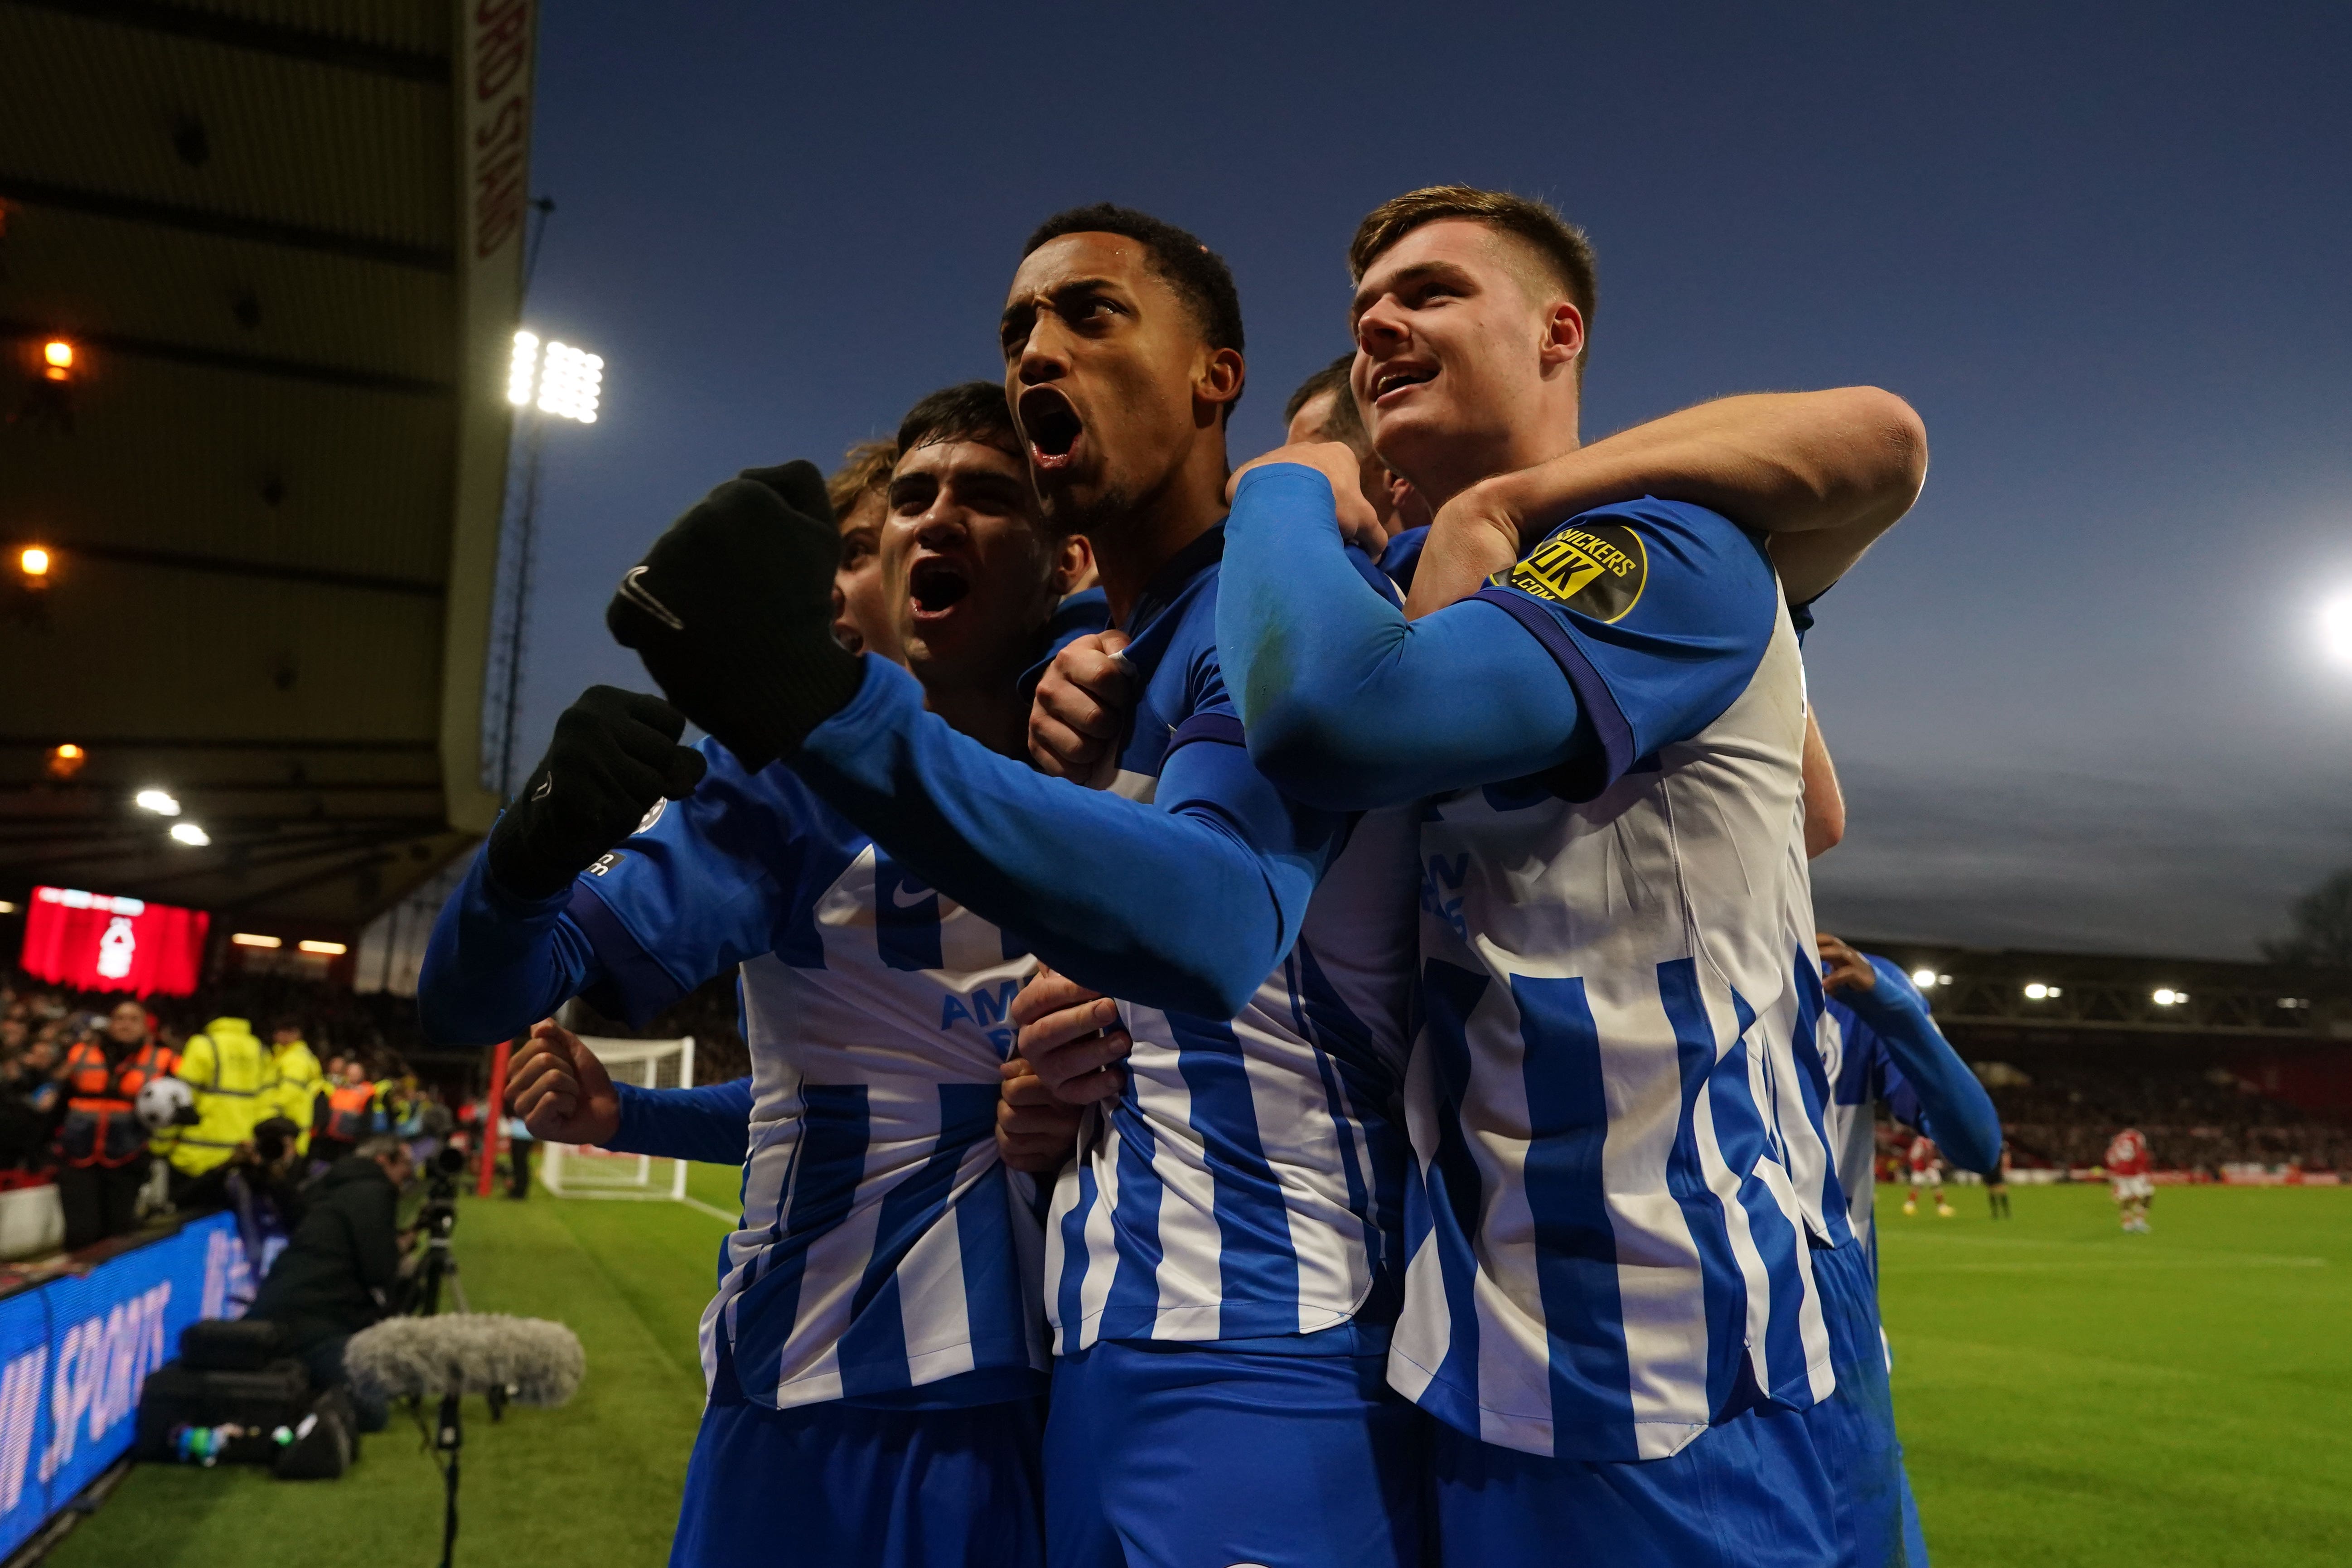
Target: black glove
[(732, 612), (614, 754)]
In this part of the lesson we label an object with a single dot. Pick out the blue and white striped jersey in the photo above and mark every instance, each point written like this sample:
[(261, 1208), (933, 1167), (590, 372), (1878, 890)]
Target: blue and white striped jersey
[(883, 1250), (1861, 1074), (1882, 1045), (1248, 1185), (1615, 1100)]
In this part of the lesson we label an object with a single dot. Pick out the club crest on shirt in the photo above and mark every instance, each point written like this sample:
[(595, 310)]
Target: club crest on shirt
[(1598, 572)]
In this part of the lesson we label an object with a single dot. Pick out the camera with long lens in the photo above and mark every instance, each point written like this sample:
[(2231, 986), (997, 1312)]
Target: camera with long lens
[(439, 1217), (435, 1220)]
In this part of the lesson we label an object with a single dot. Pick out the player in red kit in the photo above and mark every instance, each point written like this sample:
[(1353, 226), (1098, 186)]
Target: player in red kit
[(1926, 1171), (2128, 1169)]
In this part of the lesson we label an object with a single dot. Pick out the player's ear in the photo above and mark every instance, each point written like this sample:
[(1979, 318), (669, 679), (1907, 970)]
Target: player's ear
[(1074, 565), (1563, 334), (1218, 381)]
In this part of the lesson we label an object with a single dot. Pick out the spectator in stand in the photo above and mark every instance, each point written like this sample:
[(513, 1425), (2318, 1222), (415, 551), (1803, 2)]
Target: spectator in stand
[(101, 1148), (236, 1087), (2127, 1173), (31, 1101), (338, 1273), (301, 1083), (15, 1033), (346, 1115)]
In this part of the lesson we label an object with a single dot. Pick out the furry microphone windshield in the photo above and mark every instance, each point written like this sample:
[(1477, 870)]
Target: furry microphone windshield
[(532, 1360)]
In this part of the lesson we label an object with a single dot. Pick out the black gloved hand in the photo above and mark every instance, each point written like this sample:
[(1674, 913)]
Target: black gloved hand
[(614, 754), (731, 611)]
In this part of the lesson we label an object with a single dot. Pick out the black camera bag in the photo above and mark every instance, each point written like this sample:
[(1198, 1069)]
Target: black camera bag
[(231, 1344), (176, 1394)]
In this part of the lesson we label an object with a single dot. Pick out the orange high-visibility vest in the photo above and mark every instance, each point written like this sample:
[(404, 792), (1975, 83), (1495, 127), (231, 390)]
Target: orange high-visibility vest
[(101, 1126)]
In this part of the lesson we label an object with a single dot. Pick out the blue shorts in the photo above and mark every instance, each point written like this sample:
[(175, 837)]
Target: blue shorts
[(1770, 1488), (1166, 1456), (837, 1484)]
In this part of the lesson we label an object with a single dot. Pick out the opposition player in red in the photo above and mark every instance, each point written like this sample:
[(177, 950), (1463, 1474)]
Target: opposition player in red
[(1926, 1171), (2128, 1169)]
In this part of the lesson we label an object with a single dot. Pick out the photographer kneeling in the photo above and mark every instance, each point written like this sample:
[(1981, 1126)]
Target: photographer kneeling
[(338, 1274)]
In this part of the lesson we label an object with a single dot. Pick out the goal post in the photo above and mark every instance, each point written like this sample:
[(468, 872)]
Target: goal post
[(579, 1171)]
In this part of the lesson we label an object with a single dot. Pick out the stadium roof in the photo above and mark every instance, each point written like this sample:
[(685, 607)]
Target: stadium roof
[(285, 250)]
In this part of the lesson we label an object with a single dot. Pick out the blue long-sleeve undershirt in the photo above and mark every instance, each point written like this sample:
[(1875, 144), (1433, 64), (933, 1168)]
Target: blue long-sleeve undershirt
[(1382, 711), (1960, 1114), (496, 964), (1186, 904), (711, 1122)]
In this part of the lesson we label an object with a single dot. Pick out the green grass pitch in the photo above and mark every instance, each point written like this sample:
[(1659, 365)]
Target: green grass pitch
[(2068, 1395)]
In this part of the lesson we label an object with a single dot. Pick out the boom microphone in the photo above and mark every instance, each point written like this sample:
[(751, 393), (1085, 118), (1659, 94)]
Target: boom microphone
[(528, 1360)]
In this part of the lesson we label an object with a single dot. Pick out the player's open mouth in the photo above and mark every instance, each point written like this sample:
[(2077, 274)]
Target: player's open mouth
[(937, 584), (1397, 377), (1052, 425)]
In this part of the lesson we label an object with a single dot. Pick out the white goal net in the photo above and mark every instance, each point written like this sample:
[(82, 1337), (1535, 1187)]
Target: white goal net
[(578, 1171)]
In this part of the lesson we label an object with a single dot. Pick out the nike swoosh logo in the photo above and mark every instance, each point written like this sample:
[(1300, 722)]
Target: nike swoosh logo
[(907, 900), (637, 594)]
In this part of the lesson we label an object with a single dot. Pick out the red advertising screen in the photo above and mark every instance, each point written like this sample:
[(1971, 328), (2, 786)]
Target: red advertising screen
[(101, 943)]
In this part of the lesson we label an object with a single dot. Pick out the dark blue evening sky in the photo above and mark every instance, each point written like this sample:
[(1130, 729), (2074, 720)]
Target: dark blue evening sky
[(2078, 696)]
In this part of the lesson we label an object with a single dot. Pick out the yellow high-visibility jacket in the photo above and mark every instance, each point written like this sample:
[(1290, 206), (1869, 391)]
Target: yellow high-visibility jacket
[(236, 1086), (300, 1082)]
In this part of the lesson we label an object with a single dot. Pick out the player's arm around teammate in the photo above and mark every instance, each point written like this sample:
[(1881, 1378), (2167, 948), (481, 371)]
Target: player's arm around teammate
[(1960, 1114)]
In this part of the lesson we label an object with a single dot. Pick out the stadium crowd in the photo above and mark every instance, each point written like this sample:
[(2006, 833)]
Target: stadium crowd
[(2196, 1119)]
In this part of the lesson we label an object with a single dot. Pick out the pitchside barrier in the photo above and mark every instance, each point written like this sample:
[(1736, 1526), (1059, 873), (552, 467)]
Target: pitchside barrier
[(579, 1171), (76, 1350)]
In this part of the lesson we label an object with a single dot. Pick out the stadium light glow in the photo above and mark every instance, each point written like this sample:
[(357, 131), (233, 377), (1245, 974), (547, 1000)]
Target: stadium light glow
[(1923, 978), (563, 381), (2037, 992), (522, 370), (7, 908), (323, 949), (59, 352), (254, 939), (2165, 997), (156, 800), (571, 382), (33, 561), (2336, 628), (189, 833)]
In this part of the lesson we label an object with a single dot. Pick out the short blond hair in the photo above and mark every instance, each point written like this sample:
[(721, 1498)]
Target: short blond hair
[(1558, 246), (865, 470)]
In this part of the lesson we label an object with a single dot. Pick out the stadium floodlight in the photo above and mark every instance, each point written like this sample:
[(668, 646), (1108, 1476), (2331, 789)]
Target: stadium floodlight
[(189, 833), (33, 561), (570, 382), (2037, 992), (255, 939), (522, 370), (2336, 628), (323, 949), (559, 379), (1923, 978), (2165, 997), (156, 800)]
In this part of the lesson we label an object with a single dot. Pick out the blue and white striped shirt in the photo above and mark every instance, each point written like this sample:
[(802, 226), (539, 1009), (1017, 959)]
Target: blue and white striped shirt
[(1248, 1184), (885, 1255), (1616, 1102)]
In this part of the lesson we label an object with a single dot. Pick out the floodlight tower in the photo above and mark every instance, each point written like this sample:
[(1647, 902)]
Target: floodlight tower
[(552, 379)]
